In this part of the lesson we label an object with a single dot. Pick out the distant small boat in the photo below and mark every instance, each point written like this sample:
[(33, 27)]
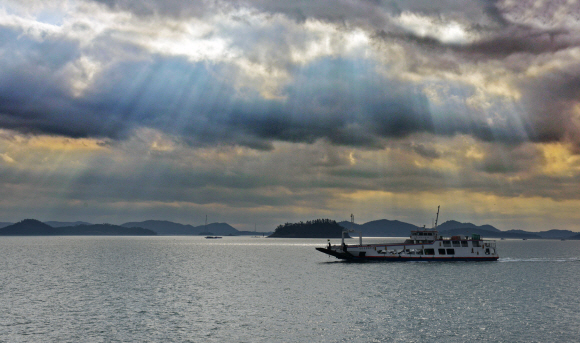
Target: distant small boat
[(256, 236), (209, 237)]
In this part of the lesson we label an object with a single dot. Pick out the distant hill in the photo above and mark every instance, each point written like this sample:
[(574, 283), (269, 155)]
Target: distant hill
[(104, 230), (164, 227), (453, 224), (517, 231), (557, 234), (32, 227), (455, 228), (63, 224), (575, 236), (219, 229), (4, 224), (28, 227), (382, 228), (489, 234), (319, 228)]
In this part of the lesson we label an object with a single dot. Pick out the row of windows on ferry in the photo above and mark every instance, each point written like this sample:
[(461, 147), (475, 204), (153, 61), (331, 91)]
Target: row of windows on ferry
[(454, 243), (441, 252), (458, 243)]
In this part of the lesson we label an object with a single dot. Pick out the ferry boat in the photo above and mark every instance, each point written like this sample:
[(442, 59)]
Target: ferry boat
[(422, 245)]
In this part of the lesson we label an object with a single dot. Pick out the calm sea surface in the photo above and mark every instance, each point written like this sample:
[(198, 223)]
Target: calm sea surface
[(243, 289)]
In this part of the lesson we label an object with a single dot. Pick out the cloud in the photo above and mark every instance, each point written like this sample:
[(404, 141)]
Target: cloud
[(341, 100), (286, 110), (258, 88), (425, 151)]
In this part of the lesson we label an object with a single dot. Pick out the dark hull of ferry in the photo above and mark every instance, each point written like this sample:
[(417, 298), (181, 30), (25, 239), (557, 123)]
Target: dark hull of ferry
[(350, 257)]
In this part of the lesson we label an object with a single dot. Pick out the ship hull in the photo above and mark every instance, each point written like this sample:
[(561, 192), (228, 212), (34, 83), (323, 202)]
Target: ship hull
[(350, 257)]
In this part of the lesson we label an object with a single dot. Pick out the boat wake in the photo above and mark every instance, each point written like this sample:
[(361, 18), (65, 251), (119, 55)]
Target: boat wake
[(540, 259)]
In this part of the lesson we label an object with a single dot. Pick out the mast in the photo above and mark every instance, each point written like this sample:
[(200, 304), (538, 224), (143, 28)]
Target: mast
[(437, 216), (352, 230)]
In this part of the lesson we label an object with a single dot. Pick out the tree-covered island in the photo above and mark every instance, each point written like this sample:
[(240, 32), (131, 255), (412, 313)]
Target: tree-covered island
[(319, 228)]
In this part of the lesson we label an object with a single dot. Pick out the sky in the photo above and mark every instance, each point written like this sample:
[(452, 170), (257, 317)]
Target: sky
[(262, 112)]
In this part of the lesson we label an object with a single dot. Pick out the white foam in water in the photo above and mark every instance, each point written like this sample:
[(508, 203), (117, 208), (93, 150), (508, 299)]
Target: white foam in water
[(508, 259)]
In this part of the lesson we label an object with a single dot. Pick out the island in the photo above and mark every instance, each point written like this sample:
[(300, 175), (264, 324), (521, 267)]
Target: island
[(319, 228), (32, 227)]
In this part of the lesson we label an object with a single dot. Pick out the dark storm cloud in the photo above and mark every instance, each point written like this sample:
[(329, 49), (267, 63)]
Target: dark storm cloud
[(35, 94), (508, 159), (515, 40), (497, 44), (373, 13), (323, 103), (425, 151), (548, 104), (174, 8)]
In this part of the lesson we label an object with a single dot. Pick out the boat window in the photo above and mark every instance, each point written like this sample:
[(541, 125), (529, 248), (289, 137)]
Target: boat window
[(475, 243), (464, 244), (450, 251), (446, 243), (456, 244), (441, 251), (429, 251)]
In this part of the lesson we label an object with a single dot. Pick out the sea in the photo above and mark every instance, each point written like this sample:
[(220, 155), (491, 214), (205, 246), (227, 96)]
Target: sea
[(249, 289)]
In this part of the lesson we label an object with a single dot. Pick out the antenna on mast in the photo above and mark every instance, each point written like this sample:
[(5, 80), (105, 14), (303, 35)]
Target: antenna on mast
[(437, 216)]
